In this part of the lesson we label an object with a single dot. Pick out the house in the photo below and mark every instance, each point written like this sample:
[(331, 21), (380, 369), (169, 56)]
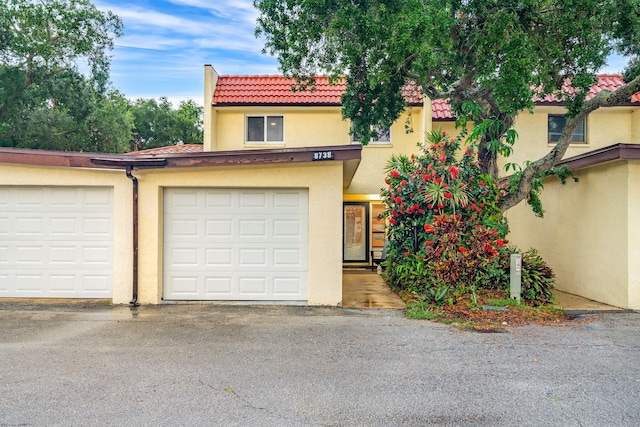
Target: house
[(278, 201)]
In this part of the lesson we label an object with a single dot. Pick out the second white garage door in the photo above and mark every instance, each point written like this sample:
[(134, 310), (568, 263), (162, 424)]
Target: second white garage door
[(56, 242), (236, 244)]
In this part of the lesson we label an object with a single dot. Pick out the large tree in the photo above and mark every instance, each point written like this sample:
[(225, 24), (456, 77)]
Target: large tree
[(488, 58), (158, 124), (54, 69)]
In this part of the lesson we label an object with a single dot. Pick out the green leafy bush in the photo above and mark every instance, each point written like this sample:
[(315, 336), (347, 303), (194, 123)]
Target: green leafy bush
[(538, 279), (444, 223), (446, 233)]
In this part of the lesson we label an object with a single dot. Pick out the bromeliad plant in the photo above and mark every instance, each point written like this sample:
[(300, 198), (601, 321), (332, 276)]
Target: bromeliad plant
[(444, 222)]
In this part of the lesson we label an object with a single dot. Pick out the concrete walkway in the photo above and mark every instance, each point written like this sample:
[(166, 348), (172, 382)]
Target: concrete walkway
[(362, 288), (366, 289)]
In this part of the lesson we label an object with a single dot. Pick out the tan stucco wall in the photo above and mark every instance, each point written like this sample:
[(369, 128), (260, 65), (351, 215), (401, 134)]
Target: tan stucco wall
[(605, 127), (635, 126), (589, 235), (369, 178), (324, 181), (210, 115), (634, 235), (122, 206), (323, 126), (303, 127)]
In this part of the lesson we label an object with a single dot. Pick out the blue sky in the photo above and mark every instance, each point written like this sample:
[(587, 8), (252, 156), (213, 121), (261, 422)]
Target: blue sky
[(166, 44)]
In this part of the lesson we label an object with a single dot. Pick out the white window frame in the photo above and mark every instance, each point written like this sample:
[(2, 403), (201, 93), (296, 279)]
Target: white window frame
[(375, 141), (265, 140), (582, 126)]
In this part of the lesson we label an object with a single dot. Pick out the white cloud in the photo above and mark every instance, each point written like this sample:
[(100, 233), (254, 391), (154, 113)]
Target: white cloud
[(167, 42), (149, 29), (236, 10)]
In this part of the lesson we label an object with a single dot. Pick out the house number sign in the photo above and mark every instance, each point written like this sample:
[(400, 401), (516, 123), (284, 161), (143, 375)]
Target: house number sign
[(323, 155)]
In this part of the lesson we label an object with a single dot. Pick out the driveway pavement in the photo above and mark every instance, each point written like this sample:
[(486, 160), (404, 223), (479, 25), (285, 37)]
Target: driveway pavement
[(200, 365)]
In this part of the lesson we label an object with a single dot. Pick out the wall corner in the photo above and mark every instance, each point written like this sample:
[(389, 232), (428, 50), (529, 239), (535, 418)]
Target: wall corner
[(209, 119), (427, 117)]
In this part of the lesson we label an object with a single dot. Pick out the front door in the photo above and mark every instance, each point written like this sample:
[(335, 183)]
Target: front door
[(355, 232)]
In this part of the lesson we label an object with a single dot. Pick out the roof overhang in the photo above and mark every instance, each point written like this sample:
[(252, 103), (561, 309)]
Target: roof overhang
[(602, 155), (349, 155)]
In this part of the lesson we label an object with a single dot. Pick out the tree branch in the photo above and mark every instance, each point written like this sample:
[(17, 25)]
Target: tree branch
[(603, 99)]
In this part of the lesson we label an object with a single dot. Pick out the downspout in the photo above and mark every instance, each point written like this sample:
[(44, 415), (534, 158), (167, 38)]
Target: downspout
[(128, 164), (134, 180)]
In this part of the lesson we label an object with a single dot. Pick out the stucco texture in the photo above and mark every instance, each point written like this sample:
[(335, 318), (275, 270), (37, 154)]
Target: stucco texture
[(589, 235), (323, 181), (16, 175)]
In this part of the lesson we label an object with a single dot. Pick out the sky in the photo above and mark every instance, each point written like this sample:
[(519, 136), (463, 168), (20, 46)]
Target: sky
[(167, 42)]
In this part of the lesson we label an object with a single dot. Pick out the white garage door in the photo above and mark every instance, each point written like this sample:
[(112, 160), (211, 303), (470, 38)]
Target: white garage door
[(56, 242), (236, 244)]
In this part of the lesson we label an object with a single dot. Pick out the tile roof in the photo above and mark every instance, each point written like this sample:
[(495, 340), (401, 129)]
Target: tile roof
[(608, 82), (441, 110), (172, 149), (276, 90)]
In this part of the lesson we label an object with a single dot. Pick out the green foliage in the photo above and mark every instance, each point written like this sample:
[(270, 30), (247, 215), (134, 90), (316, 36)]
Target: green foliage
[(537, 282), (537, 184), (446, 232), (538, 279), (488, 58), (158, 124), (420, 310), (503, 51), (444, 221), (50, 36), (45, 101)]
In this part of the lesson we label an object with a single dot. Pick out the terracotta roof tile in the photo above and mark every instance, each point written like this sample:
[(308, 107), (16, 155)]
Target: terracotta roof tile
[(608, 82), (441, 110), (276, 90), (172, 149)]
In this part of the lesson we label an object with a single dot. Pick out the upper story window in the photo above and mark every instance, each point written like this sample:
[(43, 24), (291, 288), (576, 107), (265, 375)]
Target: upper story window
[(382, 135), (556, 124), (265, 130)]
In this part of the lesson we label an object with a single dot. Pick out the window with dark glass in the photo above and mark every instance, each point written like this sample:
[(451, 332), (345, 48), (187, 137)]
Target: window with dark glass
[(265, 129), (382, 135), (556, 124)]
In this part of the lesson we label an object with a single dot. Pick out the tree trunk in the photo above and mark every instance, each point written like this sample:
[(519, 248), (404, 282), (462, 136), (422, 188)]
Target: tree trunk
[(621, 96), (487, 159)]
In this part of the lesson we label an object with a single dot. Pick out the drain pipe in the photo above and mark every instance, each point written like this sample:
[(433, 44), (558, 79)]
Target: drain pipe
[(134, 180), (129, 163)]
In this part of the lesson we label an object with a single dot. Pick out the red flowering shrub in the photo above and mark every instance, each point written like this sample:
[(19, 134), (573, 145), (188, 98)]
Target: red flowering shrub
[(444, 222)]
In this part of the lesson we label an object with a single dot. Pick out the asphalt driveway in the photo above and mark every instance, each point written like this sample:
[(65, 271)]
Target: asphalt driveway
[(200, 365)]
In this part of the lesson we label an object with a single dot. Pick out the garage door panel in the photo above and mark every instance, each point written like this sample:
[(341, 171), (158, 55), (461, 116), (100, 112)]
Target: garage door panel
[(253, 287), (219, 288), (29, 255), (96, 283), (219, 257), (219, 200), (238, 241), (185, 285), (288, 287), (252, 200), (57, 242), (63, 283), (219, 228)]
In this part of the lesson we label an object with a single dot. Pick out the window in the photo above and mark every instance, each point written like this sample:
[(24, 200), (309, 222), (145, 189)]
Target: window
[(382, 135), (265, 129), (556, 125)]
